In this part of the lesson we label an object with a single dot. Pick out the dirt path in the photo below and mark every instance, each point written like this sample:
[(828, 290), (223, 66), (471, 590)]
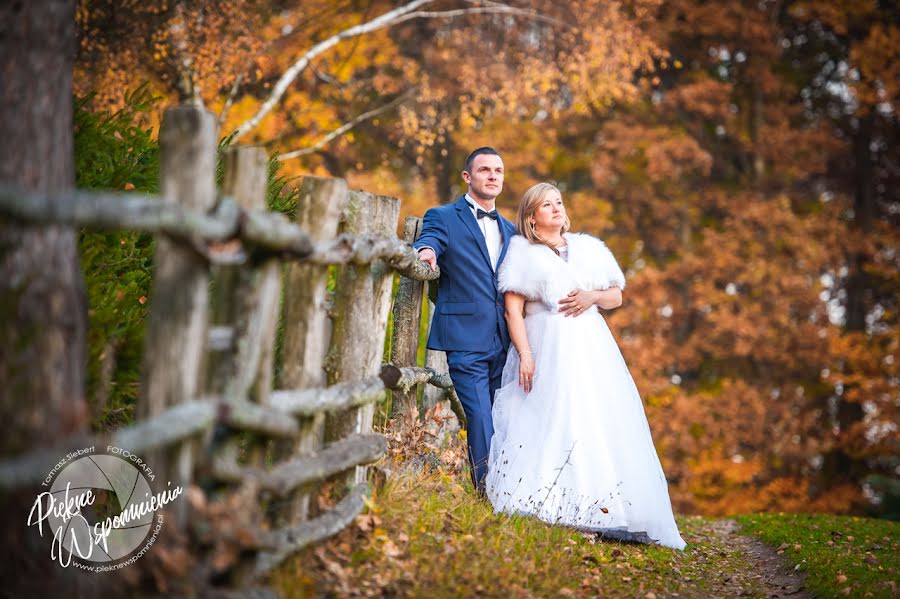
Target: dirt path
[(768, 573)]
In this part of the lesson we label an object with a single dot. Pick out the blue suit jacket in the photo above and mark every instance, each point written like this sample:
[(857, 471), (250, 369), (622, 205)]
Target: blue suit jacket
[(469, 309)]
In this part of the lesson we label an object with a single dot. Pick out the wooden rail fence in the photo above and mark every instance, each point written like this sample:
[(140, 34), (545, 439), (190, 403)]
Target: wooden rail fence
[(227, 270)]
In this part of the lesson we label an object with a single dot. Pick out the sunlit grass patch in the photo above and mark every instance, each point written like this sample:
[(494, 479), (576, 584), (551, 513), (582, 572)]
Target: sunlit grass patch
[(428, 535), (843, 556)]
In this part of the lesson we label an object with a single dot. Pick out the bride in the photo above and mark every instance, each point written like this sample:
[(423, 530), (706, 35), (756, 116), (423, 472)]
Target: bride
[(571, 442)]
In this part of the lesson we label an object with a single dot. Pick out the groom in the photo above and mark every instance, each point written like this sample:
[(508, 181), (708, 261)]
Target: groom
[(468, 240)]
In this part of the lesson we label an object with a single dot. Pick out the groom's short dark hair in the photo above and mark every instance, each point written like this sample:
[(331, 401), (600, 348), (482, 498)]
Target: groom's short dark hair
[(479, 152)]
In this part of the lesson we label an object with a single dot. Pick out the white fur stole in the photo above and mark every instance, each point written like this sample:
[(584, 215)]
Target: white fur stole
[(536, 272)]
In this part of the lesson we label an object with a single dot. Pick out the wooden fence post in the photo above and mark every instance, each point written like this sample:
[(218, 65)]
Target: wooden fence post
[(251, 297), (437, 361), (307, 328), (407, 315), (177, 325), (351, 315), (360, 291), (255, 524), (248, 297), (384, 224)]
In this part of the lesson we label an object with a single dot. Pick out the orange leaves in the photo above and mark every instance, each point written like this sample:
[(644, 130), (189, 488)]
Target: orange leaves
[(838, 16), (878, 59), (466, 70), (871, 34), (674, 156), (646, 155), (704, 96), (716, 333), (152, 41), (712, 178)]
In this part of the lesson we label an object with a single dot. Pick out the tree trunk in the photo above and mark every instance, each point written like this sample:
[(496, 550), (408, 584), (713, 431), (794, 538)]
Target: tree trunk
[(759, 164), (839, 465), (863, 215), (446, 173), (43, 314)]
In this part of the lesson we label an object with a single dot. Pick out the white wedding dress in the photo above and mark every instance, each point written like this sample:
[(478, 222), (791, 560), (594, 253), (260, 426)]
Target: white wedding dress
[(577, 449)]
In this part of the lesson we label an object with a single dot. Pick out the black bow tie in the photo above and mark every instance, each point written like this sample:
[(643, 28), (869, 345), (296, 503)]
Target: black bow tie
[(492, 214)]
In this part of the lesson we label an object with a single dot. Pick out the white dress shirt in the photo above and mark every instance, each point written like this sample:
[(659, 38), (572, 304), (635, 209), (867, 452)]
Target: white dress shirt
[(490, 228)]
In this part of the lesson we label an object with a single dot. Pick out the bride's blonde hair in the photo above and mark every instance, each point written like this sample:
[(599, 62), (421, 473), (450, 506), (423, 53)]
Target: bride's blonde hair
[(530, 203)]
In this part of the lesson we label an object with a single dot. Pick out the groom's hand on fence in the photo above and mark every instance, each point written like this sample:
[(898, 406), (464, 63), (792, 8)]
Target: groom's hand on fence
[(427, 255)]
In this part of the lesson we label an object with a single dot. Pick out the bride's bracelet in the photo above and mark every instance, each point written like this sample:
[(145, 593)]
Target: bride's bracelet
[(525, 352)]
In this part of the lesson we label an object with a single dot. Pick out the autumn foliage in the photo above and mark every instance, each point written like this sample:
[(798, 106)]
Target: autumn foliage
[(740, 157)]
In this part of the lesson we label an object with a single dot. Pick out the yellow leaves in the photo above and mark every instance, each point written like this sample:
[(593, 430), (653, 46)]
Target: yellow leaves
[(663, 399), (467, 120), (240, 111)]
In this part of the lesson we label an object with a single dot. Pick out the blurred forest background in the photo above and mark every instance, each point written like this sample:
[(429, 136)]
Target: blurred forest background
[(740, 158)]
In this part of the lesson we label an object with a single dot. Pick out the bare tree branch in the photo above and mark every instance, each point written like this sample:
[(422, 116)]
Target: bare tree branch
[(328, 79), (295, 69), (398, 15), (499, 9), (230, 100), (345, 127)]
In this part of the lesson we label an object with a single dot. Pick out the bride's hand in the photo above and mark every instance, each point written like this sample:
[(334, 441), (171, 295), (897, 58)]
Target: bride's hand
[(526, 371), (577, 302)]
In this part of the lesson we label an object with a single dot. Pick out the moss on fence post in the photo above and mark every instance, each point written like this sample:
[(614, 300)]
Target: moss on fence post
[(407, 314)]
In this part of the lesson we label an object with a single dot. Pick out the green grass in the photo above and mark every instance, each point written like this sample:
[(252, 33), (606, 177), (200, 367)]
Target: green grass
[(427, 535), (842, 556)]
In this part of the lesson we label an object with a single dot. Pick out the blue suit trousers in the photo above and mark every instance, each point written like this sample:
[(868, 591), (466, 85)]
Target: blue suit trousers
[(476, 376)]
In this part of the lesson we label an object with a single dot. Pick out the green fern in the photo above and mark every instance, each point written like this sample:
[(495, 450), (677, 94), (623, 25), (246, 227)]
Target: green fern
[(118, 151)]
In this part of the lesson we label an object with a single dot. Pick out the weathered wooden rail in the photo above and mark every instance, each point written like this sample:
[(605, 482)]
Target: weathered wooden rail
[(208, 417)]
